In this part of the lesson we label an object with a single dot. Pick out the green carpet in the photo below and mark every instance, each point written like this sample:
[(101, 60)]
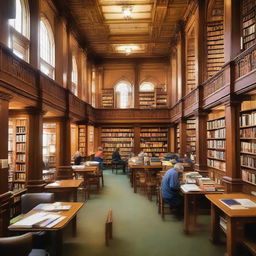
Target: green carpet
[(137, 228)]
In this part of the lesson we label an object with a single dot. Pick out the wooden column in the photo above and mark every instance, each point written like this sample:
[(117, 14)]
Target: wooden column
[(172, 140), (136, 86), (231, 29), (232, 180), (183, 140), (35, 156), (34, 55), (201, 141), (4, 194), (136, 140), (64, 142)]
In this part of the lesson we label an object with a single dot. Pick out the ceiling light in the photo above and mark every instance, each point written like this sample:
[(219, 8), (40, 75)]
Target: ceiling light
[(128, 50), (127, 11)]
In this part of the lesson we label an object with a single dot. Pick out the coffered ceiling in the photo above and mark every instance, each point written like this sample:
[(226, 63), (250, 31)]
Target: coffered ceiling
[(146, 33)]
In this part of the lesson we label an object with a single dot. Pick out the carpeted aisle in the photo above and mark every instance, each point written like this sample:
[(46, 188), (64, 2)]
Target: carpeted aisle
[(138, 230)]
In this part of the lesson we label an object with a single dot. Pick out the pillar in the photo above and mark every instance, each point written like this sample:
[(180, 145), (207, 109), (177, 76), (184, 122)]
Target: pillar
[(136, 86), (232, 179), (35, 181)]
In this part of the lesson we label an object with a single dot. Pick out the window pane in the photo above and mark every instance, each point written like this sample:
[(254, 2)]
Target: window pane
[(147, 87), (123, 89)]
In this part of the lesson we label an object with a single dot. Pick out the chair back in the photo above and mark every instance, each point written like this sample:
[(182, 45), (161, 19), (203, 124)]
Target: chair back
[(64, 173), (31, 200), (16, 245)]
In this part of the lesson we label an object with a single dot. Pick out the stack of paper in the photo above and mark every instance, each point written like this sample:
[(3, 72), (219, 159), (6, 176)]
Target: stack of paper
[(190, 188)]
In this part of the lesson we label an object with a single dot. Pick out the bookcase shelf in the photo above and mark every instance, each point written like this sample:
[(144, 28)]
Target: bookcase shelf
[(191, 136), (49, 144), (248, 146), (216, 147), (178, 138), (154, 140), (107, 98), (191, 63), (82, 131), (17, 152), (147, 100), (113, 137), (248, 23)]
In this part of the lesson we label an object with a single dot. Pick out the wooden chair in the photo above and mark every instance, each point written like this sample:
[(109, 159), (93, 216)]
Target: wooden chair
[(162, 205), (116, 166), (108, 227), (150, 183), (64, 173)]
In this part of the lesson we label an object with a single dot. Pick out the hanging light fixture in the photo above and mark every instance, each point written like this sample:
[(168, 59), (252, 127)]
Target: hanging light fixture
[(128, 50), (127, 11)]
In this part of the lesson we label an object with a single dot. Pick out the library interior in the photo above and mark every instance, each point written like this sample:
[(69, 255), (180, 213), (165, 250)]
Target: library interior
[(128, 127)]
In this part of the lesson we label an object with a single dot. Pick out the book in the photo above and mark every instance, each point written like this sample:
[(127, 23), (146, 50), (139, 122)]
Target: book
[(55, 207), (238, 204)]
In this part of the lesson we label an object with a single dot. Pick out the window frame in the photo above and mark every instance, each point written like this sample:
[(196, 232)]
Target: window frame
[(129, 95)]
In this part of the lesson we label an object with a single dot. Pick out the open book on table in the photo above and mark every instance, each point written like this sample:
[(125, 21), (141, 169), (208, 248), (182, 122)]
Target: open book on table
[(238, 204), (54, 207), (190, 188)]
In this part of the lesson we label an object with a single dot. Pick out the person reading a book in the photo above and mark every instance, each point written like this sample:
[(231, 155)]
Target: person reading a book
[(170, 187), (98, 157), (116, 159), (78, 158)]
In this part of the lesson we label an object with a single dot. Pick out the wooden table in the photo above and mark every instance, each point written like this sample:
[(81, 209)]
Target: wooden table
[(191, 208), (86, 172), (135, 168), (236, 219), (69, 186), (58, 228)]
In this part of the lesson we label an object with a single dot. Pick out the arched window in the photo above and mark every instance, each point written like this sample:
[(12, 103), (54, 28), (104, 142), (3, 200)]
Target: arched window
[(47, 47), (74, 76), (19, 30), (123, 95), (147, 87)]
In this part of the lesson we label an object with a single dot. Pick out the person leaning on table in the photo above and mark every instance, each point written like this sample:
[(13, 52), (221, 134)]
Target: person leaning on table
[(170, 187)]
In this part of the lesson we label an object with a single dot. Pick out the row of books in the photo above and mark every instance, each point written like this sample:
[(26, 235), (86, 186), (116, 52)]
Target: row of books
[(249, 147), (217, 154), (154, 149), (116, 130), (21, 167), (21, 138), (221, 133), (218, 144), (120, 145), (248, 119), (248, 176), (17, 186), (21, 147), (248, 161), (248, 133), (117, 134), (117, 140), (20, 122), (20, 129), (216, 164), (152, 134), (215, 124), (249, 30), (20, 157), (154, 129), (153, 144), (19, 176)]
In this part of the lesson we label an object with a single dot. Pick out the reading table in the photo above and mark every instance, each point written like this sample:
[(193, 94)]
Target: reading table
[(70, 216), (235, 219)]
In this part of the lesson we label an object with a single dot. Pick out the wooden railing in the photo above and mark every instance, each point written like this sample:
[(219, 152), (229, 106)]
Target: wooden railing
[(245, 62), (176, 111), (76, 105), (190, 99)]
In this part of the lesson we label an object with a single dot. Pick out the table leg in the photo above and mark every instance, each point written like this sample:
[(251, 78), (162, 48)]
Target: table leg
[(194, 210), (231, 237), (59, 243), (74, 230), (215, 228), (186, 213), (75, 194)]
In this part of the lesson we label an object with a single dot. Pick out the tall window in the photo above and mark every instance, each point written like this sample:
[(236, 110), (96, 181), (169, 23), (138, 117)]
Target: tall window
[(147, 87), (19, 30), (123, 95), (47, 60), (74, 76)]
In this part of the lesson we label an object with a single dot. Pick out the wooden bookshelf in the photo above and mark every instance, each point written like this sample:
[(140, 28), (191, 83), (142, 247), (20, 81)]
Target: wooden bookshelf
[(178, 138), (117, 137), (82, 147), (154, 140), (161, 99), (190, 63), (248, 145), (215, 38), (147, 100), (15, 208), (191, 136), (216, 146), (49, 144), (17, 152), (248, 23), (107, 98)]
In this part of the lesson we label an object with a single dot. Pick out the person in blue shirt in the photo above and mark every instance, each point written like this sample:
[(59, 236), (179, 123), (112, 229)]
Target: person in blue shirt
[(170, 186)]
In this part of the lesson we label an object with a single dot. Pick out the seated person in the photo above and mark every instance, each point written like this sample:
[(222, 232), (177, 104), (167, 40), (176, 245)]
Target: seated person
[(77, 158), (170, 187), (116, 158), (98, 157)]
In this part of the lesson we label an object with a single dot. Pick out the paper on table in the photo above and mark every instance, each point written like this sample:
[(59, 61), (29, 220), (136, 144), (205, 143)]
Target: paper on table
[(190, 187), (239, 204)]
